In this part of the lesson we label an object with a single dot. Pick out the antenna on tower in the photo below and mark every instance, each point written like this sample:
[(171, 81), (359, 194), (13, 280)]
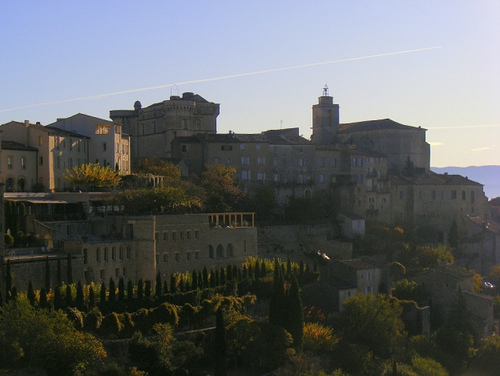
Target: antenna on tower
[(325, 91), (174, 90)]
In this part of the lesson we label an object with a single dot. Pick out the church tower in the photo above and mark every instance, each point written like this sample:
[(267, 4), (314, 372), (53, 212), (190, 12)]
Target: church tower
[(325, 122)]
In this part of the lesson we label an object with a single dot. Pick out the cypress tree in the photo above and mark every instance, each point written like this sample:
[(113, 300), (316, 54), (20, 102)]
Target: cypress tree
[(80, 301), (217, 277), (1, 300), (220, 345), (295, 314), (165, 287), (58, 300), (235, 272), (194, 280), (47, 274), (112, 290), (181, 283), (58, 273), (147, 289), (256, 272), (200, 280), (130, 290), (158, 285), (69, 269), (103, 292), (43, 299), (222, 277), (173, 284), (121, 290), (288, 268), (212, 278), (277, 302), (205, 277), (263, 271), (91, 297), (250, 272), (453, 235), (13, 293), (31, 293), (8, 281), (140, 289), (245, 271), (69, 299), (229, 272)]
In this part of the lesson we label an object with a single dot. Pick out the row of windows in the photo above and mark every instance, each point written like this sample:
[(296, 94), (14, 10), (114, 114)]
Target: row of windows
[(102, 273), (178, 235), (70, 164), (220, 252), (434, 195), (323, 162), (106, 254), (10, 162), (177, 256), (61, 144)]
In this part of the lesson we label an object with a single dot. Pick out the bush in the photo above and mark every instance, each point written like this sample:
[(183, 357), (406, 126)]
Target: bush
[(76, 317), (93, 320), (166, 313), (111, 325)]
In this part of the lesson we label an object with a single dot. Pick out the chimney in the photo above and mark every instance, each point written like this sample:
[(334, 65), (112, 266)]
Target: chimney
[(26, 132)]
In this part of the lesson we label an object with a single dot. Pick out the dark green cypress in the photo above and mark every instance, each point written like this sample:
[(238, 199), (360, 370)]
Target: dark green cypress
[(158, 285), (47, 274), (205, 277), (130, 290), (173, 284), (112, 290), (200, 280), (147, 289), (277, 301), (140, 289), (121, 290), (69, 269), (194, 280), (181, 284), (217, 277), (288, 268), (250, 272), (222, 277), (263, 271), (295, 314), (1, 300), (43, 299), (58, 300), (91, 297), (13, 293), (212, 278), (103, 292), (58, 273), (80, 301), (31, 294), (8, 281), (69, 298), (229, 273), (245, 271), (256, 271), (220, 345), (165, 287), (235, 272)]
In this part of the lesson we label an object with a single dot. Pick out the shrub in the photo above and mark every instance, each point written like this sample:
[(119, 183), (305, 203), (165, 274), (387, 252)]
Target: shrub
[(111, 325), (93, 320)]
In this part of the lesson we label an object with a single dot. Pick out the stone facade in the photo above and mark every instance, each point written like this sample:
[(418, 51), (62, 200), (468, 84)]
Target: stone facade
[(153, 128), (108, 146), (19, 166)]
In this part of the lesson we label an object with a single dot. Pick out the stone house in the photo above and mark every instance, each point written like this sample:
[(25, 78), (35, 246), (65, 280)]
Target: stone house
[(18, 166)]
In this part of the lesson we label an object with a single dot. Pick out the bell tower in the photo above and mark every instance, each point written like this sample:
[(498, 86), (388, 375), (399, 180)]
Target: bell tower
[(325, 122)]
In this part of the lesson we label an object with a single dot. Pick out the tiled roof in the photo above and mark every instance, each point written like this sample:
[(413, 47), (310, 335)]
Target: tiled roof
[(432, 178), (80, 115), (371, 125), (12, 145)]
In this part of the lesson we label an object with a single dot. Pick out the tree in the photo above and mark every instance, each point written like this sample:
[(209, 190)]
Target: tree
[(222, 193), (31, 294), (408, 290), (69, 270), (112, 290), (121, 290), (58, 273), (158, 285), (453, 235), (295, 314), (277, 302), (103, 292), (92, 175), (130, 290), (157, 166), (47, 274), (8, 281), (220, 344), (373, 322)]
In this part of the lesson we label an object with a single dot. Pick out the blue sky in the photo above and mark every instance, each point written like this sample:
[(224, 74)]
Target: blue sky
[(58, 57)]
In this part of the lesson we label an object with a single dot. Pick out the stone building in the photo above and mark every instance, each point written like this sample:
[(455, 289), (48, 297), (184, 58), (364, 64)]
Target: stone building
[(153, 128), (58, 150), (19, 166), (108, 145)]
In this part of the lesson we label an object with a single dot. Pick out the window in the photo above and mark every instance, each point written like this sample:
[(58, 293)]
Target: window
[(181, 235), (464, 196), (216, 159), (70, 144), (174, 235), (165, 257), (105, 254), (188, 235), (188, 256), (41, 161), (321, 178), (245, 174), (368, 276), (58, 162), (226, 148), (321, 162), (261, 160), (121, 253), (472, 197), (98, 255), (433, 195), (9, 163), (85, 256), (129, 252), (196, 234), (23, 163), (219, 251), (165, 236), (104, 146), (40, 140), (117, 272), (275, 162), (113, 253), (101, 274), (177, 257), (185, 148), (300, 162), (245, 160), (453, 194), (229, 250), (261, 176), (210, 252), (257, 147), (335, 162), (125, 271), (243, 146), (196, 255)]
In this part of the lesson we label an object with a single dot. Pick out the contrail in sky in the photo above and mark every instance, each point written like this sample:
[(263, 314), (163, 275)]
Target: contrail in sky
[(101, 96)]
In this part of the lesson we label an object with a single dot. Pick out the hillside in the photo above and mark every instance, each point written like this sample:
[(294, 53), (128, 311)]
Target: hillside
[(487, 175)]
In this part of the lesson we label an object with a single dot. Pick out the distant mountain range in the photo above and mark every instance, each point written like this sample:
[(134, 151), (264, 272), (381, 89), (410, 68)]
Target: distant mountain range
[(487, 175)]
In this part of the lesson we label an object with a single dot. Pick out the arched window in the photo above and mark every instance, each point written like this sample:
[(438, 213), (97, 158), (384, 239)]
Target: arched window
[(229, 250), (210, 252), (98, 254), (106, 254), (113, 253), (9, 185), (220, 251), (20, 185)]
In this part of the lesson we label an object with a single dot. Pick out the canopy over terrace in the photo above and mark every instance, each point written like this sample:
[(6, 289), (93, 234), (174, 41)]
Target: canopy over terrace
[(229, 220)]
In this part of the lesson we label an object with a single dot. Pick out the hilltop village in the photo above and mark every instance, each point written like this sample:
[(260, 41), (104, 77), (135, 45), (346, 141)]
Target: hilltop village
[(350, 200)]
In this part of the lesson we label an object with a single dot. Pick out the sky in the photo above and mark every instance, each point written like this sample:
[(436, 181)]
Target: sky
[(433, 64)]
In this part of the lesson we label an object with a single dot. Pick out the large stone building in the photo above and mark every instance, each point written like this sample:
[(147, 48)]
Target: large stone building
[(153, 128), (58, 150), (108, 145), (18, 166)]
